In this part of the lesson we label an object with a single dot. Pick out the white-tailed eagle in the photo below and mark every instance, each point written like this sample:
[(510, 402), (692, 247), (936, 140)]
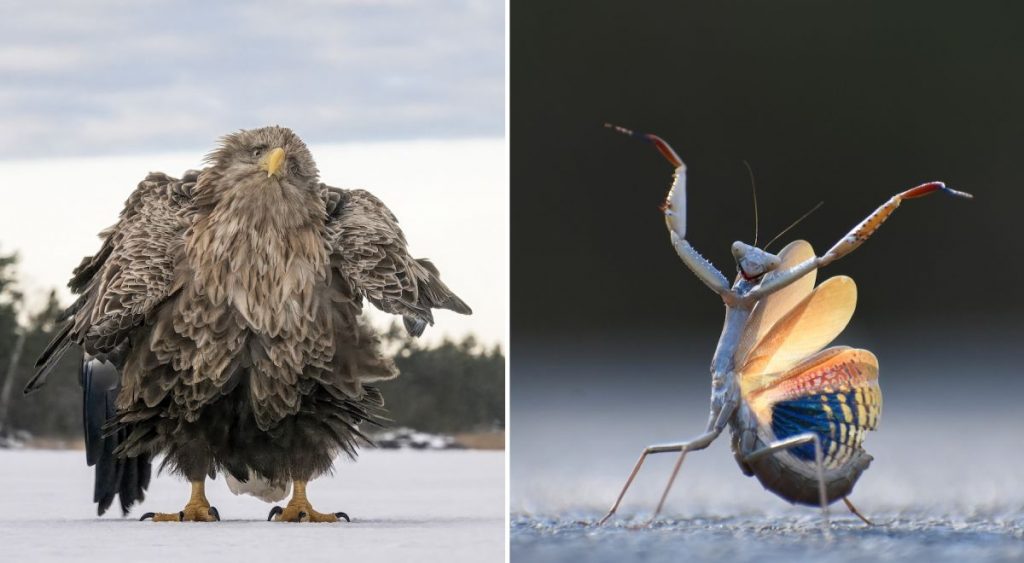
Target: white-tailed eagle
[(221, 321)]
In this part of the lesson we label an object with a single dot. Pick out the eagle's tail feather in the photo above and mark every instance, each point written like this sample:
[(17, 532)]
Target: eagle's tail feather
[(116, 476)]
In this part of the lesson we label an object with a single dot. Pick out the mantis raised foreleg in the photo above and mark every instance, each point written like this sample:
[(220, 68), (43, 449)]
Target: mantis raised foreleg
[(675, 216), (675, 219), (848, 243)]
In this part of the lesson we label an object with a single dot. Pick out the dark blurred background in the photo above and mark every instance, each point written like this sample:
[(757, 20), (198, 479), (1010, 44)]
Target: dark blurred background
[(842, 102)]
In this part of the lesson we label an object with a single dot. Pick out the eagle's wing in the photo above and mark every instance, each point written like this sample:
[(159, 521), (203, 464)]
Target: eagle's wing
[(369, 250), (134, 271)]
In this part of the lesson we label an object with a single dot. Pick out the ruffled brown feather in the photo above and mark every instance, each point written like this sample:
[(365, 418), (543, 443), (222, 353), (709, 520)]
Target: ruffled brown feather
[(369, 249)]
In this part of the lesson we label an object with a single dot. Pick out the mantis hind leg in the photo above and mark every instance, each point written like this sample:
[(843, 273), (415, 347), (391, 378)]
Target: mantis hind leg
[(856, 512), (819, 466)]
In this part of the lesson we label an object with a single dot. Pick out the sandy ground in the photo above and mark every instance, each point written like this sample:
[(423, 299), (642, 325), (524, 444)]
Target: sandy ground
[(405, 506), (903, 537)]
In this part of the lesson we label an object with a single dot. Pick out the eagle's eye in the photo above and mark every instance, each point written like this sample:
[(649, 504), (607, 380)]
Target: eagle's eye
[(258, 151)]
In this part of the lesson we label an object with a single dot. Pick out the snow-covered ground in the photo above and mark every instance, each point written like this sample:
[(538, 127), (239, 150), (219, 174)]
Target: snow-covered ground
[(405, 506)]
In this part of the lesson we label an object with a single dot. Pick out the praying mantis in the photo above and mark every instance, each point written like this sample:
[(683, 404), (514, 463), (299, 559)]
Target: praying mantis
[(797, 411)]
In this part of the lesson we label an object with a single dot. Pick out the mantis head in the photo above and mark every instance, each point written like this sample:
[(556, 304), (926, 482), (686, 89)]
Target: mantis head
[(752, 262)]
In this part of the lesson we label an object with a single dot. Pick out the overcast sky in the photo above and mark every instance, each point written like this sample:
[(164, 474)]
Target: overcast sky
[(119, 77)]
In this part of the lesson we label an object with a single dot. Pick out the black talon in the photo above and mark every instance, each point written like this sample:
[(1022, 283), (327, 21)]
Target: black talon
[(302, 515), (147, 515), (342, 515), (213, 512), (274, 512), (181, 516)]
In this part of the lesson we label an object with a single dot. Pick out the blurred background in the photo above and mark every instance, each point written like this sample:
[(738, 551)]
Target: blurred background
[(405, 99), (842, 102)]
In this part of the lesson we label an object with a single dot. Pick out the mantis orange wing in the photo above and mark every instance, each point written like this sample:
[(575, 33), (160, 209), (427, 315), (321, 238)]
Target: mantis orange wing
[(805, 329), (770, 309)]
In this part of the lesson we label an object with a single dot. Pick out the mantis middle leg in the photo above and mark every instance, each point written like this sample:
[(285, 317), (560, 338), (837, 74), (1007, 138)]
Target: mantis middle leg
[(698, 443), (716, 423)]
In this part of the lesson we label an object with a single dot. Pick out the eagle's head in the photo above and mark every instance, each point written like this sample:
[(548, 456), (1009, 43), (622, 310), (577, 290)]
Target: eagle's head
[(260, 158)]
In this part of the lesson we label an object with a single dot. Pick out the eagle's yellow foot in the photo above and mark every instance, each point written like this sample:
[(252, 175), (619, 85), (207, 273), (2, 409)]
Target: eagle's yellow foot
[(300, 510), (191, 513), (198, 509)]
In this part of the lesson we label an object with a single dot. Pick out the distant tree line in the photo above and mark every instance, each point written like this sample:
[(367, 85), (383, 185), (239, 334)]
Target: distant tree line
[(452, 387)]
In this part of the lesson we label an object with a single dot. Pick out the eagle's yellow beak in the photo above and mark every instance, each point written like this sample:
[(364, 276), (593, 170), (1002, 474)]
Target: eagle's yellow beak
[(272, 162)]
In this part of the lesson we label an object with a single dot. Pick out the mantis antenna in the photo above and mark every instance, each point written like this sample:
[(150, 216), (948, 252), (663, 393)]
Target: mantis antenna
[(793, 224), (753, 189)]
